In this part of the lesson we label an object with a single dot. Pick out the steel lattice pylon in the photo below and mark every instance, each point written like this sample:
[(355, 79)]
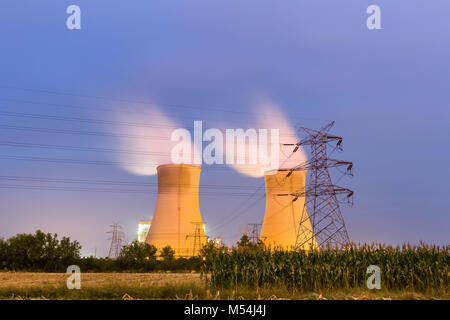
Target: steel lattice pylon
[(254, 233), (198, 243), (321, 195), (117, 239)]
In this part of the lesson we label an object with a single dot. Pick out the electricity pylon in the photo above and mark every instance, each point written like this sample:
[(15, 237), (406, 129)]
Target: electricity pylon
[(254, 231), (197, 235), (117, 239), (321, 195)]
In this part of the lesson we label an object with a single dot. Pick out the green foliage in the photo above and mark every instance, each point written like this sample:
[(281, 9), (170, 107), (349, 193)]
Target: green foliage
[(3, 254), (45, 252), (246, 245), (167, 253), (244, 242), (92, 264), (414, 268), (137, 256), (140, 257), (39, 251), (208, 252)]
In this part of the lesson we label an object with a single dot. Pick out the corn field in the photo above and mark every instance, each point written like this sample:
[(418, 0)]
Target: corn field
[(408, 267)]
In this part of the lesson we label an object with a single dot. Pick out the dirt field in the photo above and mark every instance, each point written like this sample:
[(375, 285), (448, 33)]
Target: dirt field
[(127, 286), (88, 280)]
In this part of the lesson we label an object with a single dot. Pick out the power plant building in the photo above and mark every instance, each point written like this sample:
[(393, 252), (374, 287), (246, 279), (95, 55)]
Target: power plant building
[(143, 228)]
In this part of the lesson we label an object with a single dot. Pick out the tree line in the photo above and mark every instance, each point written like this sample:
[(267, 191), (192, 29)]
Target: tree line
[(44, 252), (38, 252)]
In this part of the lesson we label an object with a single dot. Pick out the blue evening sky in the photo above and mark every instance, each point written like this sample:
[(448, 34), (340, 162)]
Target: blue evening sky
[(388, 91)]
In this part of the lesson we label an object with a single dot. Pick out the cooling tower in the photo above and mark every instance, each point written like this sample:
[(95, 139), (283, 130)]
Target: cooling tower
[(282, 216), (177, 221)]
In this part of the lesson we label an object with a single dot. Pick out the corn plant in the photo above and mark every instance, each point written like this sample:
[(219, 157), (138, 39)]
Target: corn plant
[(407, 267)]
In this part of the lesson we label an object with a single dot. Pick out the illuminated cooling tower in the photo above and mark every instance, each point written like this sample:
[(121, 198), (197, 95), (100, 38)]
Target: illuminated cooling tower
[(282, 216), (177, 221)]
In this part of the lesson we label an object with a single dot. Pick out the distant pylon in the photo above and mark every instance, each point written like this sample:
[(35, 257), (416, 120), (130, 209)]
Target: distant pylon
[(321, 195), (197, 235), (117, 239), (254, 231)]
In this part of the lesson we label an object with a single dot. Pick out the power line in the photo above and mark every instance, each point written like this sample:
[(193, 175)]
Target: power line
[(94, 149), (243, 168), (78, 148), (118, 183), (100, 121), (234, 214), (90, 108), (74, 161), (103, 190), (83, 120), (81, 132), (240, 208), (221, 109)]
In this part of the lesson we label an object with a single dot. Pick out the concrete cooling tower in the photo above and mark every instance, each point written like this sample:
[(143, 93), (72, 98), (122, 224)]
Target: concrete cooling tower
[(177, 221), (282, 216)]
